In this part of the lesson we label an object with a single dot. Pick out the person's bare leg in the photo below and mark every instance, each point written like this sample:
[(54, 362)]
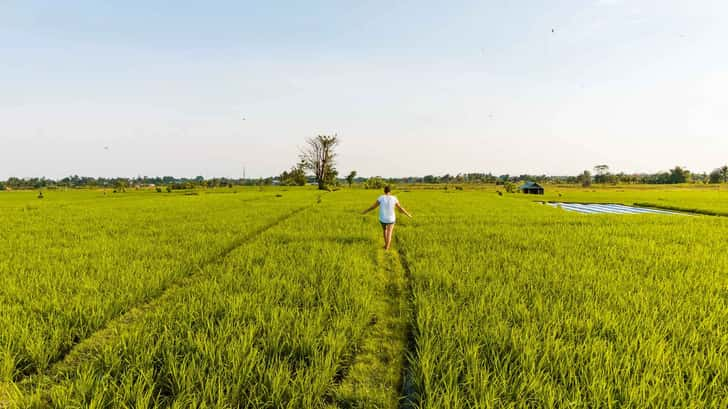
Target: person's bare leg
[(390, 229), (384, 231)]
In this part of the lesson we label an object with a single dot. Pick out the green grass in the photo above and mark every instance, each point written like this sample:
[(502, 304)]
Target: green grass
[(522, 305), (71, 262), (251, 300), (702, 199)]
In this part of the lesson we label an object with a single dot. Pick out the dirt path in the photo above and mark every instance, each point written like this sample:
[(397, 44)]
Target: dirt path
[(375, 377)]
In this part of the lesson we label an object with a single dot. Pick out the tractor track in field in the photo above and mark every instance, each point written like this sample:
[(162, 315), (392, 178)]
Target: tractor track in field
[(409, 398), (28, 304), (82, 351), (374, 374)]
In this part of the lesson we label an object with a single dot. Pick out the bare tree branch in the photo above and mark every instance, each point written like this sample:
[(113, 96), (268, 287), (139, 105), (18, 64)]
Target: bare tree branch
[(320, 157)]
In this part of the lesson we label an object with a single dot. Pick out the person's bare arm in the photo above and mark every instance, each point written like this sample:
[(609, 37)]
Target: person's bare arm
[(372, 207), (402, 209)]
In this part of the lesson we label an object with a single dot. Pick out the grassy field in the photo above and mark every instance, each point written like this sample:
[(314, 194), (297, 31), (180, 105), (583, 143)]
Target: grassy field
[(284, 298)]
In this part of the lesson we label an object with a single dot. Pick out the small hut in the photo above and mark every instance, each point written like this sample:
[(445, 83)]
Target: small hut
[(531, 188)]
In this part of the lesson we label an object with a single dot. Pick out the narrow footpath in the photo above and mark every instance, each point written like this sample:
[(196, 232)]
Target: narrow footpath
[(375, 378)]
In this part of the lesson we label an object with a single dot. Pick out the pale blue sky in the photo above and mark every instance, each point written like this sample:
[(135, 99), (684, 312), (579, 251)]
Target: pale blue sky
[(411, 87)]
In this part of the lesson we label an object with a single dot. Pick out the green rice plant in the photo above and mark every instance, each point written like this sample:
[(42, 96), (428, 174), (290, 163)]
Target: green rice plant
[(250, 300), (276, 324), (523, 305), (71, 265)]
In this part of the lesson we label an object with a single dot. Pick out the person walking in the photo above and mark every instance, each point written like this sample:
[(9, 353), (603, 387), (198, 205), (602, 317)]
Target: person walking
[(387, 217)]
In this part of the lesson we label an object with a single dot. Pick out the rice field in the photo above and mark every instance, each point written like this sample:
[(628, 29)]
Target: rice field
[(283, 298)]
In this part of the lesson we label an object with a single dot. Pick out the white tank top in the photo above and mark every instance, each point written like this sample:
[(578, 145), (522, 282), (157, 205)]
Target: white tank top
[(386, 208)]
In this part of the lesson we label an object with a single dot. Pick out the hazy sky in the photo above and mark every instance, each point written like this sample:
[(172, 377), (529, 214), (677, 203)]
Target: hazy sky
[(411, 87)]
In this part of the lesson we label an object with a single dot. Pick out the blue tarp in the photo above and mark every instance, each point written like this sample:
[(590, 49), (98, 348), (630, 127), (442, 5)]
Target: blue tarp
[(604, 208)]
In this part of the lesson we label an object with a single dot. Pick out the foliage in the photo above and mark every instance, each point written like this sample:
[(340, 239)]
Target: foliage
[(350, 177), (295, 177), (375, 182), (584, 179), (719, 175), (679, 175), (602, 174)]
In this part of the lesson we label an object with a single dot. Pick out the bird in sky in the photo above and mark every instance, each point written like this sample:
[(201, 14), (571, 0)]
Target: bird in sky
[(553, 30)]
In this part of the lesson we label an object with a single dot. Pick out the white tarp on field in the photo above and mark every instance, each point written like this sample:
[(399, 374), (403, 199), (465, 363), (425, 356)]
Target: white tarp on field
[(597, 208)]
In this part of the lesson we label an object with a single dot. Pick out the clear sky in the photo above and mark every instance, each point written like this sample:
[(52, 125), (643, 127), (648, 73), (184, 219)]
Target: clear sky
[(411, 87)]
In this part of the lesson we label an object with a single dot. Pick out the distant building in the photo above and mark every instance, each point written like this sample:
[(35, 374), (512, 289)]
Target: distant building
[(531, 188)]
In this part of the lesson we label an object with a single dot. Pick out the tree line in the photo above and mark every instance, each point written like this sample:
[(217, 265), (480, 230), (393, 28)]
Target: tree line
[(317, 165), (676, 175)]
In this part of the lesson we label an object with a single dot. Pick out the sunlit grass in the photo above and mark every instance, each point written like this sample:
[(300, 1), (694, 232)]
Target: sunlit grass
[(155, 300)]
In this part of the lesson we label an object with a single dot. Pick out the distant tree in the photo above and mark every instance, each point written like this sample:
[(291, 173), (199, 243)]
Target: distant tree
[(320, 157), (602, 174), (715, 176), (601, 169), (299, 174), (295, 177), (285, 178), (350, 178), (120, 185), (585, 179), (679, 175), (718, 175), (375, 182)]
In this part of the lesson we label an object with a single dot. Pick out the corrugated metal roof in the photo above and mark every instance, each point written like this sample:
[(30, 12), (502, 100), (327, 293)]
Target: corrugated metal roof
[(530, 185)]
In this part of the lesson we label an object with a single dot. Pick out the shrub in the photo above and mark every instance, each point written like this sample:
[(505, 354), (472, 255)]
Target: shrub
[(375, 182)]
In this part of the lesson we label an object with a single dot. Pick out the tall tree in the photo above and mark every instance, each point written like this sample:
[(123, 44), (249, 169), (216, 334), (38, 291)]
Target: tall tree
[(319, 155), (585, 179), (679, 175), (350, 178), (716, 176), (724, 173), (602, 171)]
